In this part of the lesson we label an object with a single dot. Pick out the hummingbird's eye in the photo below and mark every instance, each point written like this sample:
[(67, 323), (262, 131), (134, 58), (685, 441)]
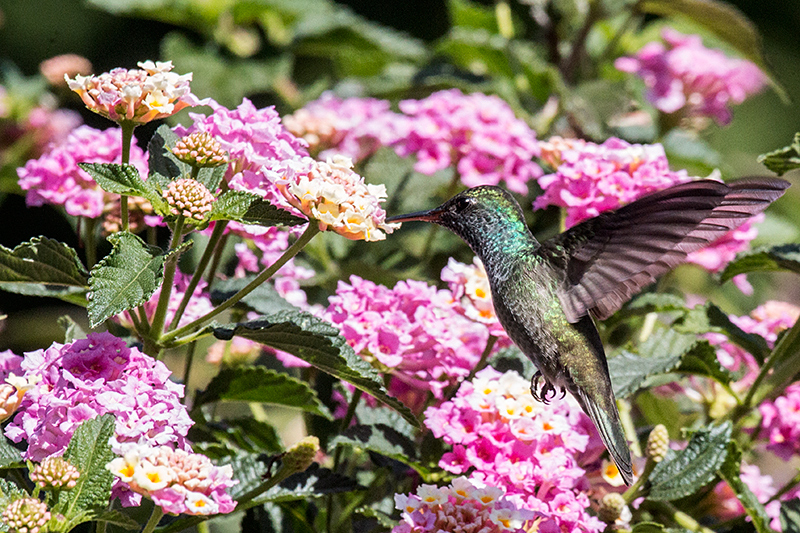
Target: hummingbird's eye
[(462, 204)]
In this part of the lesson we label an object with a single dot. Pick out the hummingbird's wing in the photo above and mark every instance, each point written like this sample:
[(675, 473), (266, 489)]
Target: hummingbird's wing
[(609, 258)]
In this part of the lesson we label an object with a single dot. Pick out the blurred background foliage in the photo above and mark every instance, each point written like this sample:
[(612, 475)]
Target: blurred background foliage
[(552, 61)]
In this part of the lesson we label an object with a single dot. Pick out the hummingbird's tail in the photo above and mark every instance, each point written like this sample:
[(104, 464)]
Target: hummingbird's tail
[(606, 420)]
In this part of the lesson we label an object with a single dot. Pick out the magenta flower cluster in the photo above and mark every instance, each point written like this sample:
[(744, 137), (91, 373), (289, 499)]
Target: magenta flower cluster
[(686, 76), (91, 377), (414, 331), (781, 422), (477, 133), (591, 178), (353, 127), (539, 454), (55, 178)]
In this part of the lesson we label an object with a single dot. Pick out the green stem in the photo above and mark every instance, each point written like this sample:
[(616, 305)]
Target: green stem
[(187, 370), (157, 325), (786, 488), (634, 491), (487, 350), (570, 67), (89, 242), (612, 44), (624, 408), (267, 273), (780, 377), (127, 137), (679, 517), (451, 189), (155, 517), (208, 253), (505, 23)]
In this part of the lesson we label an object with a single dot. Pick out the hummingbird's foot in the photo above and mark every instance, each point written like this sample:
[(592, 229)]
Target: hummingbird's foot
[(547, 392)]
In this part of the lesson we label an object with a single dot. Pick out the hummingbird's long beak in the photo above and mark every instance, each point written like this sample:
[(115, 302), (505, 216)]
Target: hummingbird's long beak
[(432, 215)]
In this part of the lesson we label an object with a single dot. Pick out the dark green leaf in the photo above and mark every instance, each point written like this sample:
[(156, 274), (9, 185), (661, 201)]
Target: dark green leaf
[(125, 278), (259, 384), (44, 267), (72, 330), (318, 343), (702, 360), (264, 299), (9, 492), (710, 318), (378, 438), (768, 258), (473, 15), (249, 208), (379, 414), (730, 472), (648, 527), (119, 519), (163, 165), (315, 481), (123, 179), (10, 457), (783, 159), (89, 452), (722, 19), (790, 516), (512, 358), (661, 352), (658, 301), (693, 467)]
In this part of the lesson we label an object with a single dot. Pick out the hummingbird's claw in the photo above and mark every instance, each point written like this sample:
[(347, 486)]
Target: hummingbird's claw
[(535, 386), (547, 392)]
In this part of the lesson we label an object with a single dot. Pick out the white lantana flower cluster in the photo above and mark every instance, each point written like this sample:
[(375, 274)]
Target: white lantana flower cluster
[(135, 95), (335, 196)]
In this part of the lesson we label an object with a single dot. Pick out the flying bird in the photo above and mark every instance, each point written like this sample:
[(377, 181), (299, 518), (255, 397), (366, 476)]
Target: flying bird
[(546, 294)]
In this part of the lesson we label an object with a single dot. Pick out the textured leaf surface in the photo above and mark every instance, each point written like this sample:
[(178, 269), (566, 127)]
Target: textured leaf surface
[(660, 353), (318, 343), (44, 267), (783, 159), (119, 519), (89, 452), (249, 208), (693, 467), (123, 179), (730, 472), (379, 438), (264, 299), (9, 455), (125, 278), (790, 516), (260, 384), (710, 318), (770, 259)]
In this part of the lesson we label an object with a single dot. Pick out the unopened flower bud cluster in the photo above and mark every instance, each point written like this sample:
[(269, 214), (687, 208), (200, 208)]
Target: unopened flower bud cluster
[(200, 149), (190, 198), (657, 444), (26, 515), (55, 472)]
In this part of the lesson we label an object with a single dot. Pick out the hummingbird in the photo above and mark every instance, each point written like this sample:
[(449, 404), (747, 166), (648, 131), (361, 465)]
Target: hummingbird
[(547, 294)]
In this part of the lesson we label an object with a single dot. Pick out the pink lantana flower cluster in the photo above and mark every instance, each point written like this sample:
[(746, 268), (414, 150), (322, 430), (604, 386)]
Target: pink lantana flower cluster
[(353, 127), (178, 481), (781, 422), (55, 178), (464, 506), (591, 178), (334, 197), (539, 454), (686, 76), (477, 133), (726, 505), (469, 286), (91, 377), (413, 331), (135, 95)]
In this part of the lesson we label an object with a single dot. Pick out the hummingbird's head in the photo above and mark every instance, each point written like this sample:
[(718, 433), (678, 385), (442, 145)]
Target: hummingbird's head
[(477, 215)]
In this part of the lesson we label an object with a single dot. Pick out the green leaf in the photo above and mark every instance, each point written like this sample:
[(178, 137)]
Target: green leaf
[(318, 343), (125, 278), (658, 301), (123, 179), (9, 492), (165, 167), (790, 516), (660, 353), (783, 159), (10, 457), (89, 452), (379, 438), (264, 299), (648, 527), (44, 267), (767, 258), (72, 330), (722, 19), (119, 519), (730, 471), (315, 481), (249, 208), (470, 14), (693, 467), (260, 384), (702, 360), (710, 318), (512, 358)]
